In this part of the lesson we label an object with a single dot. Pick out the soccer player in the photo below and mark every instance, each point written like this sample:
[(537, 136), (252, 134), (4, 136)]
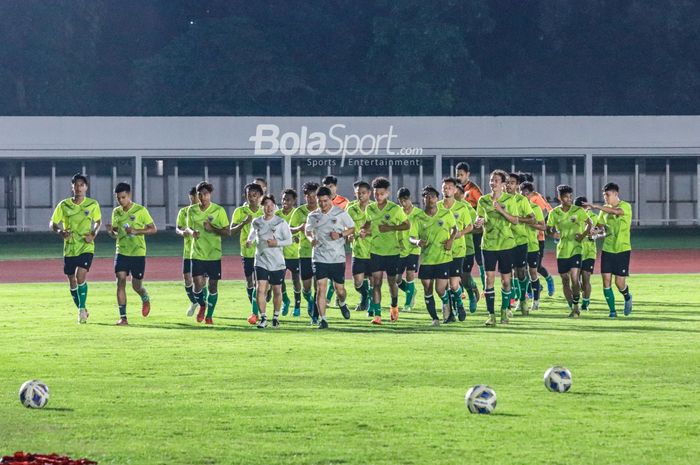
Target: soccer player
[(497, 242), (410, 253), (298, 224), (360, 245), (539, 200), (520, 233), (327, 228), (271, 234), (130, 223), (434, 231), (338, 200), (384, 220), (472, 194), (291, 254), (464, 224), (616, 217), (77, 220), (588, 253), (262, 182), (181, 230), (467, 280), (240, 224), (207, 223), (570, 222), (533, 247)]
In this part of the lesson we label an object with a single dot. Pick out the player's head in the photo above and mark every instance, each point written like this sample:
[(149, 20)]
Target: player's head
[(324, 196), (204, 190), (497, 180), (512, 183), (262, 182), (268, 204), (309, 189), (380, 189), (449, 185), (123, 194), (404, 196), (462, 171), (289, 198), (611, 193), (579, 201), (193, 195), (330, 182), (526, 177), (430, 196), (79, 184), (459, 191), (253, 193), (362, 190), (565, 194), (527, 189)]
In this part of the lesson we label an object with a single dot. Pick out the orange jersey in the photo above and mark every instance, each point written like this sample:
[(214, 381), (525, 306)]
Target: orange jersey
[(541, 202), (472, 193), (340, 201)]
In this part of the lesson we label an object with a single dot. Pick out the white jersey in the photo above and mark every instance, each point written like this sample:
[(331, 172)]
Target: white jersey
[(270, 258), (328, 250)]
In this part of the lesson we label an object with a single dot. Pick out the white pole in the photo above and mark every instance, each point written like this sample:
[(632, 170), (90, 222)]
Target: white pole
[(22, 195), (668, 191), (636, 191)]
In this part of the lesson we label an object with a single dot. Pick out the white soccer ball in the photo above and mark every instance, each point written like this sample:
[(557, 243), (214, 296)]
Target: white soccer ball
[(557, 379), (480, 399), (34, 394)]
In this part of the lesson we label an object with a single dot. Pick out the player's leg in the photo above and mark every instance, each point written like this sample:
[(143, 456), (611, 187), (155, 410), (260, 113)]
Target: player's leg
[(82, 287), (69, 268), (214, 273), (621, 271), (469, 283), (410, 283), (442, 289), (261, 285), (277, 300), (199, 277), (544, 273), (296, 280), (137, 268), (376, 305), (189, 285), (392, 265), (307, 274), (455, 288), (586, 273), (575, 280), (428, 296), (285, 297), (337, 278), (606, 273), (121, 297), (321, 289), (505, 267), (533, 265), (490, 260), (479, 257)]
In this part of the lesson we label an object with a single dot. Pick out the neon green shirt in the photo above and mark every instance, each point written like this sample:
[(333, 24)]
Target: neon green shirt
[(208, 245), (239, 216), (290, 251), (360, 246), (533, 242), (79, 220), (568, 224), (523, 208), (406, 247), (498, 234), (138, 218), (181, 223), (385, 243), (618, 229), (298, 218), (435, 230), (588, 245), (469, 238), (463, 219)]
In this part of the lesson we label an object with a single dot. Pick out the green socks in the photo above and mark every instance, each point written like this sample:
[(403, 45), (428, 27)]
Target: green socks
[(256, 310), (376, 309), (329, 293), (505, 299), (523, 287), (145, 297), (74, 294), (402, 285), (482, 275), (609, 298), (457, 297), (211, 304), (82, 295), (410, 292), (586, 303)]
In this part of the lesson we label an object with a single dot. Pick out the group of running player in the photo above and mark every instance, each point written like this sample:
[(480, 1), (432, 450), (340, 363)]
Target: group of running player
[(502, 231)]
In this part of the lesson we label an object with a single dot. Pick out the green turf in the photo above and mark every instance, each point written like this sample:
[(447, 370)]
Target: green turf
[(18, 246), (169, 391)]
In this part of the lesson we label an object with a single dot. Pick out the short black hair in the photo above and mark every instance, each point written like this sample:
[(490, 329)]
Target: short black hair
[(251, 186), (525, 177), (579, 201), (309, 187), (463, 166), (330, 179), (323, 190), (193, 191), (527, 186), (205, 186), (501, 174), (359, 184), (611, 186), (122, 187), (403, 193), (564, 189), (268, 197), (454, 181), (460, 187), (291, 192), (79, 177), (380, 183), (262, 180), (515, 175), (430, 190)]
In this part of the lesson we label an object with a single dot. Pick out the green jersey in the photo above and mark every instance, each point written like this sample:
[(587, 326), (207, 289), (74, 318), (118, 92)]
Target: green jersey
[(406, 247), (298, 218), (498, 234), (208, 245), (79, 220), (522, 208), (435, 230), (462, 219), (533, 242), (181, 223), (385, 243), (360, 246), (138, 218), (617, 228), (239, 216), (588, 245), (469, 238), (290, 251), (569, 224)]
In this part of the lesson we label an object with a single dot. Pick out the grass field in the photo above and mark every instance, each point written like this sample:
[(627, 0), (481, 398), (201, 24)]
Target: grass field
[(168, 391)]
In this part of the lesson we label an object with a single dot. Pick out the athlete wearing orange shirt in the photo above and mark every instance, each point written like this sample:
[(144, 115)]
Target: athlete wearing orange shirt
[(338, 200), (472, 193)]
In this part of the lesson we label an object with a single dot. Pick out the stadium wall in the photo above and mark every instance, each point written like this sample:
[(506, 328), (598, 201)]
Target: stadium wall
[(654, 159)]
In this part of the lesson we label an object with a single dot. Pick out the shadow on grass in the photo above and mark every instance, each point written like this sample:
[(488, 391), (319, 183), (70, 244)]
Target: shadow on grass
[(58, 409)]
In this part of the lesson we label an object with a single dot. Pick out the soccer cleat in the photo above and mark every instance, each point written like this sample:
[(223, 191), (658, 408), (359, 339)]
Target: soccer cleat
[(209, 321), (435, 323), (200, 314), (513, 303), (275, 322), (296, 312), (523, 308), (461, 313), (613, 314), (345, 311), (535, 305), (262, 323), (252, 319), (191, 309), (377, 320), (146, 308), (575, 313), (450, 319), (550, 286), (83, 316), (628, 306), (407, 308), (314, 321), (285, 304), (370, 313), (122, 322), (472, 303), (505, 317), (394, 314), (323, 324), (491, 321), (359, 308), (509, 313)]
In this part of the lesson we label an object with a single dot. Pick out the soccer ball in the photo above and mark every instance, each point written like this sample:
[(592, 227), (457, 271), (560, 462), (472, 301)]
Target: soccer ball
[(34, 394), (480, 399), (557, 379)]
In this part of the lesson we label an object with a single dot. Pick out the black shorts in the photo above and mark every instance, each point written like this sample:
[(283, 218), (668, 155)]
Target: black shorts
[(186, 266), (615, 263), (468, 263), (332, 271), (441, 271), (388, 263), (533, 259), (248, 266), (361, 266), (564, 265), (306, 268), (273, 277), (588, 265), (477, 249), (70, 264), (456, 267), (504, 258), (134, 266), (519, 256), (208, 268), (292, 264), (408, 263)]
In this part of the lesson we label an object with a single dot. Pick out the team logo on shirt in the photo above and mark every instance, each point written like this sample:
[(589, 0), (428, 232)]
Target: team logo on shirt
[(87, 212), (441, 223), (210, 218), (334, 220), (456, 215), (132, 217), (386, 217), (572, 219)]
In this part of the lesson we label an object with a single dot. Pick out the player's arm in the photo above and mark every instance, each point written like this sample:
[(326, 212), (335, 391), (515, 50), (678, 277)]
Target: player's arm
[(450, 240), (148, 230), (551, 226), (58, 229), (238, 222), (538, 225), (403, 226), (284, 239), (502, 211), (181, 230), (94, 230), (252, 237), (604, 208)]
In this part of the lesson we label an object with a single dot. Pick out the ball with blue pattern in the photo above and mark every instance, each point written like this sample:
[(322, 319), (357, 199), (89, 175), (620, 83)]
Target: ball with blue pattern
[(558, 379), (34, 394), (480, 399)]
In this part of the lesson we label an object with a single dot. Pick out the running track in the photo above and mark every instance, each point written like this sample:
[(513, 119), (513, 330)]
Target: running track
[(170, 268)]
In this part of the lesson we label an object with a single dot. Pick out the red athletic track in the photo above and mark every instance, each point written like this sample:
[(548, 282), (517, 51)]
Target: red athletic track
[(170, 268)]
